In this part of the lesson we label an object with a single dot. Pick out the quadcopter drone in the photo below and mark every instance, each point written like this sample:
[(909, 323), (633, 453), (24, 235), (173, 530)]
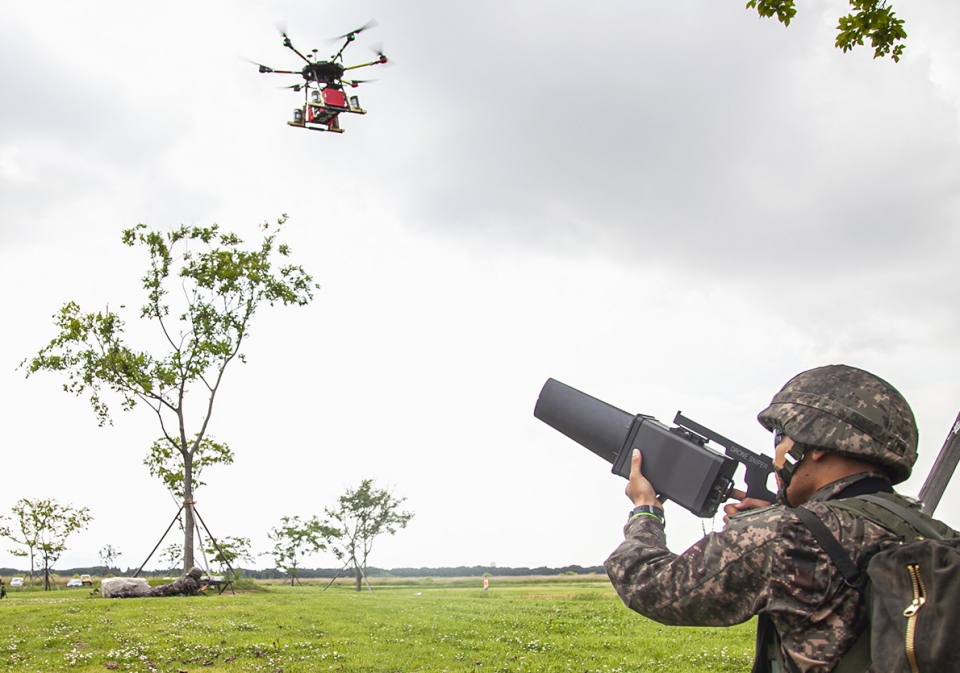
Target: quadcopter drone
[(324, 97)]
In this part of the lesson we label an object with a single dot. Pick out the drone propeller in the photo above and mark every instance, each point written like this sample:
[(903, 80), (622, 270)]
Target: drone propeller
[(266, 68), (356, 82), (263, 68), (282, 27), (350, 37), (372, 23), (378, 50)]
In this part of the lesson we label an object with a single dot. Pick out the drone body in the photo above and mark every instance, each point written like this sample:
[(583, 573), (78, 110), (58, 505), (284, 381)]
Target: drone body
[(324, 98)]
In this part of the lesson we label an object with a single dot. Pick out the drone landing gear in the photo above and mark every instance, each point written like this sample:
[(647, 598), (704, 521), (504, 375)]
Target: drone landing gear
[(327, 120), (322, 113)]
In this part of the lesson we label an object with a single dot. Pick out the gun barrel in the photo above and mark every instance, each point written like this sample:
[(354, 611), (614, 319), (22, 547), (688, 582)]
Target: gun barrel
[(590, 422)]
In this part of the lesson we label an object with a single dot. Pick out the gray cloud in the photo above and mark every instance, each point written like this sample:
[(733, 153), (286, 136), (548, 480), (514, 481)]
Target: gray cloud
[(661, 202), (69, 136), (677, 136)]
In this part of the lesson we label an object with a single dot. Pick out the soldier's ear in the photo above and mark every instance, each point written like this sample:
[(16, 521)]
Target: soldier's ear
[(817, 454)]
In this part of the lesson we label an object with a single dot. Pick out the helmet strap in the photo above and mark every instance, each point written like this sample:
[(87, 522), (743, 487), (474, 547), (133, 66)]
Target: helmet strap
[(785, 473)]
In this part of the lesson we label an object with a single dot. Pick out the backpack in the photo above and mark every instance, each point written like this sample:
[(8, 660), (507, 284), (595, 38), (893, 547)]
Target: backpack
[(911, 585)]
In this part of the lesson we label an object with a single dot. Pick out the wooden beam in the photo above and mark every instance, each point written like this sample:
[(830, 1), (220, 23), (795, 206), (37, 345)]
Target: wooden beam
[(942, 470)]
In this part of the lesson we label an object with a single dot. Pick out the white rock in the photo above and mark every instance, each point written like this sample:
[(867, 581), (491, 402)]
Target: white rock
[(111, 586)]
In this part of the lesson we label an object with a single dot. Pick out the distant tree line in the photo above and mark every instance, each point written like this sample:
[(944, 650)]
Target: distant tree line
[(475, 571), (327, 573)]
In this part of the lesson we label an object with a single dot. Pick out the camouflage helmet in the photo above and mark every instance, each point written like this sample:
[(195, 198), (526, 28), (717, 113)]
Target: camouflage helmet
[(195, 573), (848, 411)]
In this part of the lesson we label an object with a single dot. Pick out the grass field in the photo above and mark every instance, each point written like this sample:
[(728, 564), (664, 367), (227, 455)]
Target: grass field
[(522, 624)]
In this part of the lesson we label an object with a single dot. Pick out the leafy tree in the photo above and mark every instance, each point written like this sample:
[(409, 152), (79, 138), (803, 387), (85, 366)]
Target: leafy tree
[(203, 289), (870, 19), (25, 535), (358, 518), (171, 556), (227, 551), (294, 539), (43, 529), (108, 555)]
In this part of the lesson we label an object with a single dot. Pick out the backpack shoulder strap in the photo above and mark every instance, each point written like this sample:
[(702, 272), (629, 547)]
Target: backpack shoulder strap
[(829, 543), (912, 517), (891, 512), (858, 658)]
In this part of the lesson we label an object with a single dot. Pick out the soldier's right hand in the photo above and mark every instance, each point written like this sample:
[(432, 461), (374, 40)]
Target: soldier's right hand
[(745, 504)]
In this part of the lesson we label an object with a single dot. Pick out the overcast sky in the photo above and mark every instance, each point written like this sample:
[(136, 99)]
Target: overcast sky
[(671, 205)]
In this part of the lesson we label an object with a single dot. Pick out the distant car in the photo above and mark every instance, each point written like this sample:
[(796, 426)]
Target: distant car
[(16, 582), (75, 582), (86, 581)]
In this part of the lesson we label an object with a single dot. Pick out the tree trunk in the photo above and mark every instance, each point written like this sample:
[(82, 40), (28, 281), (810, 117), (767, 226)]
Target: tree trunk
[(188, 523), (188, 527), (358, 576)]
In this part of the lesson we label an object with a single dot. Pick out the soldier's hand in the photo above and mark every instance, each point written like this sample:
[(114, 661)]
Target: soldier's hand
[(744, 505), (639, 490)]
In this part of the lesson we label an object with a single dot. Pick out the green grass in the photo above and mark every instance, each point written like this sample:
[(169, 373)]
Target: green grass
[(544, 624)]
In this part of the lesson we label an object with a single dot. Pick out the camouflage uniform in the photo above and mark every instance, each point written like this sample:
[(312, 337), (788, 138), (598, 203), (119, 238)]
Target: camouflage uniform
[(185, 586), (764, 562)]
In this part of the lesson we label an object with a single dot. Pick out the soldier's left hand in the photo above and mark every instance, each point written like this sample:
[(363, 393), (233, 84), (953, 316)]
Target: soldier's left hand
[(639, 490)]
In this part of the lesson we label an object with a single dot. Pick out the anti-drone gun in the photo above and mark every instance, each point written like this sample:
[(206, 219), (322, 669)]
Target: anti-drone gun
[(677, 460)]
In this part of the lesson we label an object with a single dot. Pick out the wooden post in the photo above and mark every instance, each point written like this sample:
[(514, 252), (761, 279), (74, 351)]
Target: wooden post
[(943, 468)]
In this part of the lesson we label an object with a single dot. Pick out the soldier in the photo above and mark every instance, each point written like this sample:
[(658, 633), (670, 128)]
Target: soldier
[(188, 585), (839, 432)]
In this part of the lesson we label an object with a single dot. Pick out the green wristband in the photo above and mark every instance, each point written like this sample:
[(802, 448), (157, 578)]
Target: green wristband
[(648, 510)]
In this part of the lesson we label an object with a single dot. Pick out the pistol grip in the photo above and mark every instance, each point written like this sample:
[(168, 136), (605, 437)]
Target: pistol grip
[(756, 479)]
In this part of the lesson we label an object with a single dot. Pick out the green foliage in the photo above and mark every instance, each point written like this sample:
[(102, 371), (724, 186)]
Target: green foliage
[(227, 551), (170, 556), (359, 517), (165, 461), (784, 10), (108, 555), (42, 529), (203, 289), (524, 628), (293, 540), (870, 19), (875, 20)]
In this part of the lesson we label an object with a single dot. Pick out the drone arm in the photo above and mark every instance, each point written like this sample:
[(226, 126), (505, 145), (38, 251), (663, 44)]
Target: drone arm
[(380, 61), (299, 54), (350, 38), (289, 45)]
